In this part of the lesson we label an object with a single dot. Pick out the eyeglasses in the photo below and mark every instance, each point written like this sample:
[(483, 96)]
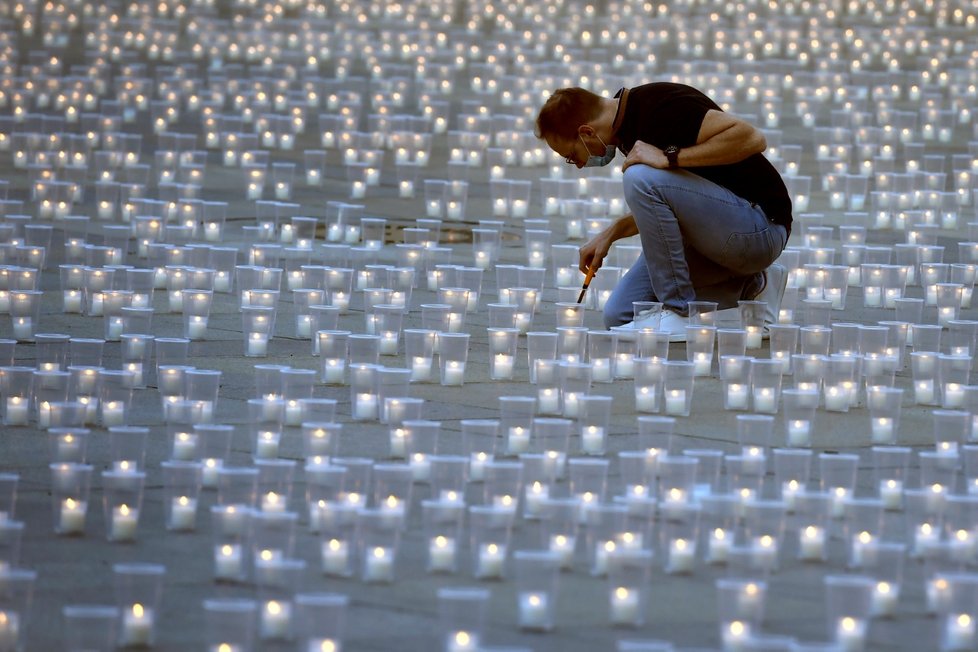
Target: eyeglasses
[(570, 160)]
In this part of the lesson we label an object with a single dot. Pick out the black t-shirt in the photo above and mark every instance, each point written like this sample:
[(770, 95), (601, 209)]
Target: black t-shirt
[(664, 114)]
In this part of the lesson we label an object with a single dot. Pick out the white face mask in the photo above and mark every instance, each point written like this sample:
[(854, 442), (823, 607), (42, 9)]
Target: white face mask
[(598, 161)]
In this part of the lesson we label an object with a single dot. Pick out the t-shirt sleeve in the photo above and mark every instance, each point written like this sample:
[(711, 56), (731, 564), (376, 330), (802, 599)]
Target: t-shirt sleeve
[(673, 115)]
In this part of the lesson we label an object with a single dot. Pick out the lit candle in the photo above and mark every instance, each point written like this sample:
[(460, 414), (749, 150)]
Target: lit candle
[(137, 626), (836, 399), (592, 440), (276, 618), (365, 406), (123, 525), (799, 432), (336, 557), (625, 606), (491, 559), (16, 413), (548, 401), (882, 428), (502, 367), (702, 364), (9, 630), (885, 597), (228, 563), (420, 467), (682, 555), (765, 400), (811, 544), (257, 344), (518, 440), (533, 610), (183, 513), (959, 632), (441, 554), (676, 402), (646, 399), (184, 446), (72, 517), (266, 445), (379, 565), (718, 546), (536, 493), (764, 552), (891, 493), (736, 397), (209, 471), (850, 634), (924, 391), (453, 372)]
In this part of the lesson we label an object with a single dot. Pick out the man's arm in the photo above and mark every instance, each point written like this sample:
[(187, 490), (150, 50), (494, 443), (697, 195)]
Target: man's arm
[(595, 250), (722, 139)]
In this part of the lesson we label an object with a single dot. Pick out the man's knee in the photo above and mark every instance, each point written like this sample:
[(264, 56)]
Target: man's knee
[(643, 179)]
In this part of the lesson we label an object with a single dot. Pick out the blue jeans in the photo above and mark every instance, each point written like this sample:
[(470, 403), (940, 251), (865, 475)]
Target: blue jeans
[(700, 242)]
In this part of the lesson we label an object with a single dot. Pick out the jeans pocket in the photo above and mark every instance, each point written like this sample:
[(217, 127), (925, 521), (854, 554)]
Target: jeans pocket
[(749, 253)]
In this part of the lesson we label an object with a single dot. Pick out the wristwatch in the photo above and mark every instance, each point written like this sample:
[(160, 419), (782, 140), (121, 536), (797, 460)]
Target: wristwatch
[(672, 153)]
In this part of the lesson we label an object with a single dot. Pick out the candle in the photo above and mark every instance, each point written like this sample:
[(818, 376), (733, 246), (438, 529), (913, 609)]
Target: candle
[(533, 610), (923, 391), (502, 367), (959, 632), (764, 552), (891, 493), (420, 368), (592, 440), (838, 505), (323, 645), (257, 344), (441, 554), (365, 406), (72, 517), (646, 399), (789, 490), (124, 521), (736, 397), (453, 372), (953, 395), (676, 402), (536, 493), (227, 562), (563, 545), (925, 538), (674, 504), (16, 413), (379, 565), (184, 446), (811, 543), (183, 513), (885, 597), (23, 329), (548, 401), (718, 546), (72, 301), (765, 400), (266, 446), (276, 618), (113, 414), (625, 606), (682, 555), (754, 337), (882, 428), (336, 557), (398, 445), (799, 432), (601, 370), (836, 399), (209, 472), (735, 635), (477, 465), (420, 467), (491, 559), (137, 626), (518, 440), (273, 503), (334, 371), (9, 630), (850, 634)]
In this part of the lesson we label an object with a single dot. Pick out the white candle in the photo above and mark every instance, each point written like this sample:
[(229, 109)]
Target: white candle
[(836, 399), (335, 557), (718, 546), (953, 395), (891, 493), (323, 645), (137, 626), (676, 402), (379, 565), (257, 344), (592, 440), (871, 297), (533, 610), (453, 373), (959, 632), (882, 428), (850, 634), (625, 365), (72, 301), (209, 472), (925, 537), (536, 493), (72, 517), (441, 554), (365, 406), (197, 327), (491, 560), (227, 562), (502, 367), (123, 525), (736, 396), (334, 371), (183, 513), (548, 401), (477, 465), (765, 400), (702, 364), (625, 606), (755, 336), (601, 370), (735, 635), (923, 391), (266, 445), (17, 412), (184, 446), (276, 617), (518, 440), (273, 503), (23, 329), (646, 399), (885, 597), (838, 504), (764, 552), (799, 432), (420, 467), (682, 556)]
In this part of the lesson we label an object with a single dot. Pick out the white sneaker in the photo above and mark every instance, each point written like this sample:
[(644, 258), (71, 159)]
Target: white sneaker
[(775, 280), (669, 323)]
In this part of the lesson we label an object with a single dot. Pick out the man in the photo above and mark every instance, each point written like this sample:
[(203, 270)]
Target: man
[(711, 212)]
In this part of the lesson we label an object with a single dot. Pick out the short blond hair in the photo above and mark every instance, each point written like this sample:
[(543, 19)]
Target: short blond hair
[(565, 111)]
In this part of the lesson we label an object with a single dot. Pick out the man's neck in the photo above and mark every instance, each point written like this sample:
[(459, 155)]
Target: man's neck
[(603, 125)]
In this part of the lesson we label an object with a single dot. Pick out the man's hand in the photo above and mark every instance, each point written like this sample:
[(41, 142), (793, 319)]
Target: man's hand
[(594, 252), (647, 155)]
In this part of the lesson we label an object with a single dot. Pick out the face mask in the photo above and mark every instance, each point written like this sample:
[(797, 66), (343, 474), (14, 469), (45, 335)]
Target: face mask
[(598, 161)]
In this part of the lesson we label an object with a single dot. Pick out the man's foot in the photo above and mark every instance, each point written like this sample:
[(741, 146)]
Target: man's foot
[(670, 323), (775, 279)]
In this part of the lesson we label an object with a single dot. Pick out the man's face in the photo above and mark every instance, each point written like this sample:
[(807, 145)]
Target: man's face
[(572, 151)]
